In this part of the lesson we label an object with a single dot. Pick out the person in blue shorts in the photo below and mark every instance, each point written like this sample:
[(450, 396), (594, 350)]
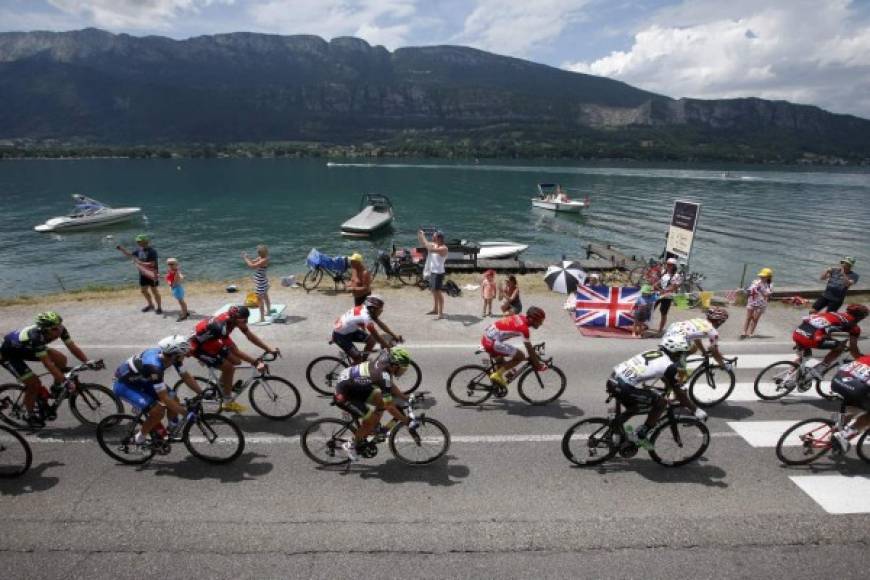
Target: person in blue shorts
[(139, 381)]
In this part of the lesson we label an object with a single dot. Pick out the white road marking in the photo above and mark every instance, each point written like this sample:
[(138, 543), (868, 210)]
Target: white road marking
[(837, 494), (761, 433)]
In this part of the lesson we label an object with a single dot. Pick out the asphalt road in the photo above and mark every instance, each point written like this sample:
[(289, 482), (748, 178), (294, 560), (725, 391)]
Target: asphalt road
[(503, 503)]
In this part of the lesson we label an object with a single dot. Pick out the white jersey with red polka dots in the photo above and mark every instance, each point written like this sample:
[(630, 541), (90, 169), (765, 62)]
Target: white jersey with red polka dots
[(357, 318), (694, 329)]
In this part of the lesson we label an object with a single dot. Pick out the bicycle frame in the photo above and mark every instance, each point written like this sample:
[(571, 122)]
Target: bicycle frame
[(491, 362)]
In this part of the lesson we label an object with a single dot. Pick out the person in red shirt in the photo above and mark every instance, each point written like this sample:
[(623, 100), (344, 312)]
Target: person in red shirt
[(816, 329), (506, 355), (211, 344)]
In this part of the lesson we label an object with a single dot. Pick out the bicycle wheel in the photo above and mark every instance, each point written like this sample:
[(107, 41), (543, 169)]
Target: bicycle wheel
[(862, 446), (409, 274), (273, 397), (823, 387), (589, 442), (426, 444), (15, 454), (678, 441), (412, 377), (115, 435), (323, 439), (469, 385), (211, 403), (91, 403), (804, 442), (312, 279), (213, 438), (709, 387), (542, 387), (322, 373), (12, 409), (777, 380)]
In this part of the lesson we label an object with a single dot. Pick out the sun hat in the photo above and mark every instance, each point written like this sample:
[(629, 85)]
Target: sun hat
[(646, 289), (672, 260), (171, 261), (142, 238), (765, 273), (848, 260), (356, 257)]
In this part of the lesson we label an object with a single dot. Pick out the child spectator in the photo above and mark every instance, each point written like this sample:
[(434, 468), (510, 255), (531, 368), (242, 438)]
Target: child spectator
[(261, 279), (175, 279), (642, 310), (487, 291), (757, 297)]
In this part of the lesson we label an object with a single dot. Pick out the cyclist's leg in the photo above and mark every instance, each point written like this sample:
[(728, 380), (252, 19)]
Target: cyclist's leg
[(141, 402), (19, 369), (346, 343), (836, 349)]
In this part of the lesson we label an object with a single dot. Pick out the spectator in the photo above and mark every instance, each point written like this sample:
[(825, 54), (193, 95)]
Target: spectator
[(666, 286), (757, 297), (488, 289), (510, 297), (360, 279), (642, 310), (436, 257), (145, 258), (261, 279), (593, 279), (175, 279), (839, 281)]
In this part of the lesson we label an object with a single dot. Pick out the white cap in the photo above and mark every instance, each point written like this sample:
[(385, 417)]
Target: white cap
[(672, 260)]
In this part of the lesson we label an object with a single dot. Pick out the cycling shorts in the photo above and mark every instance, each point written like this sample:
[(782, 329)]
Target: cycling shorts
[(346, 342), (629, 396), (807, 342), (497, 348), (354, 397), (140, 399), (17, 367), (855, 392)]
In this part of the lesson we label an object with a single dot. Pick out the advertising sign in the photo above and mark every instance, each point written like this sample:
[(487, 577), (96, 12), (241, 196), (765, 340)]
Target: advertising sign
[(681, 233)]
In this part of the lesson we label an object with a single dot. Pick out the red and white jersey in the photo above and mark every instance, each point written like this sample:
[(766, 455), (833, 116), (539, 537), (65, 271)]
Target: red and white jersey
[(694, 329), (508, 328), (859, 369), (357, 318)]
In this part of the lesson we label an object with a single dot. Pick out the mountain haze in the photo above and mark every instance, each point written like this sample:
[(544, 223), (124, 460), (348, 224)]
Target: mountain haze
[(91, 86)]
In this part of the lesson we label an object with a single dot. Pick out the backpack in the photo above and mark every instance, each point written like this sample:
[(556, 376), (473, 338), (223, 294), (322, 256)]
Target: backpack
[(452, 289)]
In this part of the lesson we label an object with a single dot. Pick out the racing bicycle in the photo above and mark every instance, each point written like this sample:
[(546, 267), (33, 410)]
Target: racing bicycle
[(808, 440), (781, 378), (323, 372), (15, 454), (709, 383)]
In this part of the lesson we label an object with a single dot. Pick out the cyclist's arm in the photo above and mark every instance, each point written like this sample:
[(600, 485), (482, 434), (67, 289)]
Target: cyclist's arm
[(387, 329), (169, 402), (697, 346), (190, 382), (377, 336), (77, 352), (396, 392), (255, 341), (853, 347), (533, 354), (714, 352)]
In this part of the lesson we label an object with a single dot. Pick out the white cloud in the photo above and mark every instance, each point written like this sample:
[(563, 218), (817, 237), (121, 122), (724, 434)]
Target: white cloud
[(798, 50), (133, 14)]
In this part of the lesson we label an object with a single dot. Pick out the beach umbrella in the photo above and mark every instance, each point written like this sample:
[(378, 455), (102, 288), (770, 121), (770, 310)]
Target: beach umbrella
[(564, 279)]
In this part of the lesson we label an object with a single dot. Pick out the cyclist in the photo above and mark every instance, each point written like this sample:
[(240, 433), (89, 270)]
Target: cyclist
[(815, 332), (211, 344), (360, 324), (31, 344), (853, 384), (366, 389), (506, 355), (668, 364), (696, 329), (139, 381)]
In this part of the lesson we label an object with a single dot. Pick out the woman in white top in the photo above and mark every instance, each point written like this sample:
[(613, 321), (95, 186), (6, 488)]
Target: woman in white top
[(437, 255)]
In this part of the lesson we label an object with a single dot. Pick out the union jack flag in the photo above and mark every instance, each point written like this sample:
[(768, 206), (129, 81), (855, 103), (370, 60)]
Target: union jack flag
[(605, 306)]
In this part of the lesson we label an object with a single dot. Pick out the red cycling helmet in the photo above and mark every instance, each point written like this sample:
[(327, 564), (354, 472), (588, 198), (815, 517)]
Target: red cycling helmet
[(240, 312), (536, 314), (857, 311)]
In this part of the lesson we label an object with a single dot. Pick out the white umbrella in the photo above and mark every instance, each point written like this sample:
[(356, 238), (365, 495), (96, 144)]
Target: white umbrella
[(564, 278)]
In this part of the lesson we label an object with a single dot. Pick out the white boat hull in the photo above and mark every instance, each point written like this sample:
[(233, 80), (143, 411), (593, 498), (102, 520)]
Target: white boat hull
[(366, 222), (112, 216), (563, 206), (500, 250)]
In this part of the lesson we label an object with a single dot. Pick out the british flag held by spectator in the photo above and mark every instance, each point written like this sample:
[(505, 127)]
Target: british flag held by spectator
[(605, 306)]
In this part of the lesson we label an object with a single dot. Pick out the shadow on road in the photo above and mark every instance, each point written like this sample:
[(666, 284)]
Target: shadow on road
[(555, 410), (292, 320), (442, 473), (465, 319), (849, 466), (729, 411), (245, 468), (34, 481), (699, 472), (295, 425)]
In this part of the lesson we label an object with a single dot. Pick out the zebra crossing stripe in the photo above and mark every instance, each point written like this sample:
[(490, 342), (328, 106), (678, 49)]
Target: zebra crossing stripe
[(837, 494), (762, 433)]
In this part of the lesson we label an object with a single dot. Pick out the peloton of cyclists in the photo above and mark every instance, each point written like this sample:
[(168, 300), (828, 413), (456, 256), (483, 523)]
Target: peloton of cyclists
[(816, 329), (360, 324), (506, 355)]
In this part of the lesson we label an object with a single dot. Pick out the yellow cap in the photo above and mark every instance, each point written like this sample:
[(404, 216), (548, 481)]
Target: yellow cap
[(765, 273), (356, 257)]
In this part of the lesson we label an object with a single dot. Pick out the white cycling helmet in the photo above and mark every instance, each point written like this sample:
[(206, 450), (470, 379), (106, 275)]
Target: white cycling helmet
[(175, 345), (674, 343)]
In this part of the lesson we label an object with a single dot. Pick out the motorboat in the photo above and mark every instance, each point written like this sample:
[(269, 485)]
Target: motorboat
[(88, 213), (500, 250), (376, 212), (554, 197)]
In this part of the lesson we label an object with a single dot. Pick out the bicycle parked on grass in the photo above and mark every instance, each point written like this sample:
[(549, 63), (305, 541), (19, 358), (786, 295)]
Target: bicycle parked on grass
[(709, 383), (208, 436), (323, 440), (89, 402), (399, 265), (323, 372), (677, 439), (15, 453), (471, 385), (781, 378), (319, 264), (272, 397), (808, 440)]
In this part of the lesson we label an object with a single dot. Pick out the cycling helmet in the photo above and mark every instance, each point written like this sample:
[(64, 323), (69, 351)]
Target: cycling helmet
[(374, 301), (239, 311), (399, 356), (717, 314), (536, 314), (49, 319), (857, 311), (175, 345), (674, 343)]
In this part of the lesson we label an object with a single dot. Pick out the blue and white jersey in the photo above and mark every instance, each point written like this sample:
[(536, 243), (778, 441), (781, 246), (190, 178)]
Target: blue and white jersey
[(145, 371)]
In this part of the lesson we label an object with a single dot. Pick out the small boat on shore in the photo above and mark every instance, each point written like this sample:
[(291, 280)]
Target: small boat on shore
[(376, 212), (554, 197), (499, 250), (88, 213)]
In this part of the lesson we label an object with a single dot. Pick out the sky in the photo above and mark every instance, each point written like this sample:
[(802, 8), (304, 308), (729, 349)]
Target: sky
[(813, 52)]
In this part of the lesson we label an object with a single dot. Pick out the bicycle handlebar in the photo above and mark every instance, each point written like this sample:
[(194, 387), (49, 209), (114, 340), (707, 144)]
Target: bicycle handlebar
[(85, 366), (270, 356)]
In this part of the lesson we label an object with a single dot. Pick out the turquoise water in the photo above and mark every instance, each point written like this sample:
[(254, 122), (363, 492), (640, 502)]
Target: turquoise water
[(205, 212)]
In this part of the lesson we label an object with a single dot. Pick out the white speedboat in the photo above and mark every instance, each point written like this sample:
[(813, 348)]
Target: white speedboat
[(499, 250), (554, 197), (88, 213), (376, 212)]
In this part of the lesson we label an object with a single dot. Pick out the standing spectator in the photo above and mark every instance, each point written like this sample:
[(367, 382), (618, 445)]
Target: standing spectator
[(488, 289), (666, 286), (757, 297), (435, 259), (261, 279), (642, 310), (145, 258), (510, 297), (360, 280), (839, 281), (175, 279)]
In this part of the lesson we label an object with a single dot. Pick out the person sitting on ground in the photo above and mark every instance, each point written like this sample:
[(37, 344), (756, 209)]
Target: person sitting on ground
[(852, 382), (642, 310), (696, 329), (758, 295), (816, 329), (367, 389), (31, 344), (140, 382), (211, 345), (360, 283), (360, 324), (510, 297), (839, 281), (506, 355)]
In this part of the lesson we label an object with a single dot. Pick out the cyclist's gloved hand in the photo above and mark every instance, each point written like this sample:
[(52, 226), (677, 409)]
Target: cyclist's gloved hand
[(728, 366), (96, 364), (541, 367)]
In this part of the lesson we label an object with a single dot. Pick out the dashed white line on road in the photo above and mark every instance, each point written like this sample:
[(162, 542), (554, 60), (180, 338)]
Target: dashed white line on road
[(837, 494)]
